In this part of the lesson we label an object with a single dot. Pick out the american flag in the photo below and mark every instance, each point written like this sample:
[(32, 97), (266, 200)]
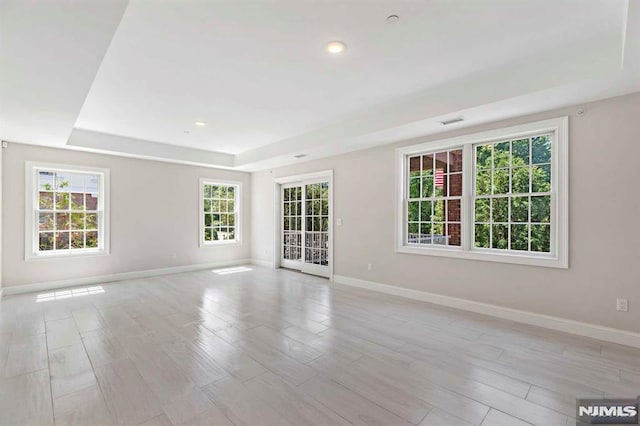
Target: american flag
[(439, 178)]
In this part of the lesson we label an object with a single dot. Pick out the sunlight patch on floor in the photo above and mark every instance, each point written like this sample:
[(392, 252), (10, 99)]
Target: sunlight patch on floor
[(65, 294), (233, 270)]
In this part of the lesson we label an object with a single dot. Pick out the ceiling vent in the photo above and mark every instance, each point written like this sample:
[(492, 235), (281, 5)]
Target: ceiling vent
[(451, 121), (300, 156)]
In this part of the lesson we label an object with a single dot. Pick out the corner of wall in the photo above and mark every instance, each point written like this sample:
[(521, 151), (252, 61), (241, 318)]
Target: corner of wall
[(262, 222), (264, 263)]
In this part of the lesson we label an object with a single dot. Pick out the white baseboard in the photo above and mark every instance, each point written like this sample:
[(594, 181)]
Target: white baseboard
[(52, 285), (260, 262), (614, 335)]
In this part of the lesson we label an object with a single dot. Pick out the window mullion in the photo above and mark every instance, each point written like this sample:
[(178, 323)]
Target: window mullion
[(467, 197)]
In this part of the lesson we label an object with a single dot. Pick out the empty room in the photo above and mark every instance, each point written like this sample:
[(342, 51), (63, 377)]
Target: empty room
[(319, 212)]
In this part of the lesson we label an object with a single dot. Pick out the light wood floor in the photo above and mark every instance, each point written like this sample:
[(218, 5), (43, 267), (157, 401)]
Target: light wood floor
[(263, 347)]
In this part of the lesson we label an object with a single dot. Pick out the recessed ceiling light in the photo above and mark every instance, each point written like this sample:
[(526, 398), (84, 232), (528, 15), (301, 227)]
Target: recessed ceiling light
[(200, 123), (299, 155), (392, 19), (336, 47)]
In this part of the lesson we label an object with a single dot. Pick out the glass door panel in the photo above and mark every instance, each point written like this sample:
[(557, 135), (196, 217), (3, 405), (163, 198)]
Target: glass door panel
[(316, 231), (317, 224), (306, 227), (292, 226)]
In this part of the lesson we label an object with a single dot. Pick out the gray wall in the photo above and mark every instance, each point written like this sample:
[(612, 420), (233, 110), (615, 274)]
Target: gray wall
[(1, 218), (154, 213), (603, 224)]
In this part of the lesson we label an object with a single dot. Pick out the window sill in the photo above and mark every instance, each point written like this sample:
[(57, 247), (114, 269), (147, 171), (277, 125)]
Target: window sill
[(220, 243), (66, 255), (486, 255)]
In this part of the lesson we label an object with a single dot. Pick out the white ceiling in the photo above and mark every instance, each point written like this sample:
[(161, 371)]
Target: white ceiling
[(256, 72), (50, 52)]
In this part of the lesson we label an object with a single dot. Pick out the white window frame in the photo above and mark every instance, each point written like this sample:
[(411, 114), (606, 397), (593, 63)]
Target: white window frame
[(559, 255), (31, 221), (237, 207)]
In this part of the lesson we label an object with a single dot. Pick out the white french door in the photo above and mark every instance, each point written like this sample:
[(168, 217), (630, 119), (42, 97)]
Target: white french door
[(291, 226), (306, 226)]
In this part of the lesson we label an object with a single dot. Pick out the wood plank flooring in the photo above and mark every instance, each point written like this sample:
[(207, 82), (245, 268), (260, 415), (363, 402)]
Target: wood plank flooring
[(253, 346)]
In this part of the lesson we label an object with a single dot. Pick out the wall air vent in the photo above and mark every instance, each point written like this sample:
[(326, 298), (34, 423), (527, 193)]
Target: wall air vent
[(451, 121)]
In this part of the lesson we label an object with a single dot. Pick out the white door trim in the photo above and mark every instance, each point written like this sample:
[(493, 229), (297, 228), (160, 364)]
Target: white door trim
[(277, 182)]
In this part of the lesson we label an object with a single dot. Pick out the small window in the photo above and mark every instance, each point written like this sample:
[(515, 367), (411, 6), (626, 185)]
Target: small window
[(435, 198), (500, 196), (219, 212), (66, 210)]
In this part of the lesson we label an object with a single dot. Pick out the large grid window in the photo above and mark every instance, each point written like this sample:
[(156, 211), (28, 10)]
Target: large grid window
[(500, 195), (68, 207), (219, 212), (512, 197)]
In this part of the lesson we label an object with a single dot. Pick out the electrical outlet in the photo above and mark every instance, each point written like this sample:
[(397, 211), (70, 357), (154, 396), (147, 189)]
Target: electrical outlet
[(174, 256), (622, 305), (339, 221), (369, 266)]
